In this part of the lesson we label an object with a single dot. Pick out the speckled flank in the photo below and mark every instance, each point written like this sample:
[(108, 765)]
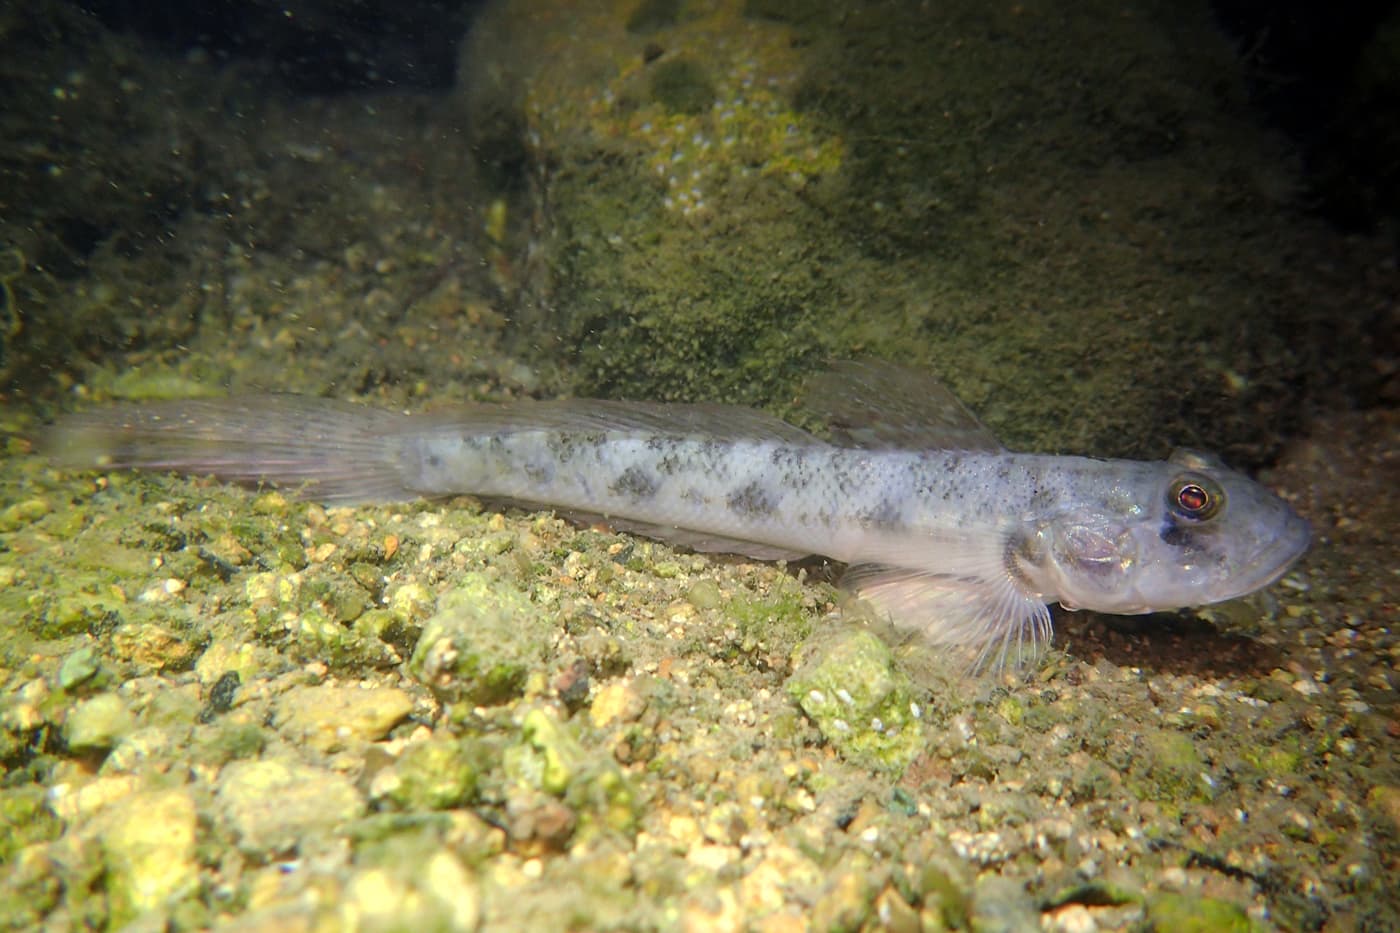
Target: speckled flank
[(752, 500), (635, 483), (812, 497), (1005, 533)]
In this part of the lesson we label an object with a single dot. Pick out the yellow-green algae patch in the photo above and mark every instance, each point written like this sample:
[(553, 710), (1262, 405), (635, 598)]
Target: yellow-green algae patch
[(434, 774), (659, 156), (692, 121), (549, 757), (483, 641), (862, 703), (148, 844), (1177, 913)]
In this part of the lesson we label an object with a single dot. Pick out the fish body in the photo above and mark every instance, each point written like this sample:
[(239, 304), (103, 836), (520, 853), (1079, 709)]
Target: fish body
[(942, 527)]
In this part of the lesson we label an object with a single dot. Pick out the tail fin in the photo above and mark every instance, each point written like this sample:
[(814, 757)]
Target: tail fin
[(330, 451)]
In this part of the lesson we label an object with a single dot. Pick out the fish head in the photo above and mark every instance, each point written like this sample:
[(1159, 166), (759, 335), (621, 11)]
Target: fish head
[(1185, 532)]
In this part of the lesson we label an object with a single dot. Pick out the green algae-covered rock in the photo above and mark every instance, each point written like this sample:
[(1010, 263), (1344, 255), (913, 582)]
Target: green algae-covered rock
[(98, 723), (78, 667), (945, 891), (24, 819), (1180, 913), (484, 639), (845, 903), (23, 513), (852, 691), (550, 758), (433, 775), (1168, 769)]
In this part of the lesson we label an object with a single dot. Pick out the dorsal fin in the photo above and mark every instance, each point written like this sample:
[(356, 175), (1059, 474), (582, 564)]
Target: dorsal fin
[(876, 405)]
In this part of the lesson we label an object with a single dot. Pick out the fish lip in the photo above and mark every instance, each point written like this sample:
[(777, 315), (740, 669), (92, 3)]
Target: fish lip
[(1274, 558)]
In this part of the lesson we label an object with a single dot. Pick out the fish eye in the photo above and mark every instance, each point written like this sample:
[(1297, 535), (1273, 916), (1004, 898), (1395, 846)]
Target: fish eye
[(1195, 497)]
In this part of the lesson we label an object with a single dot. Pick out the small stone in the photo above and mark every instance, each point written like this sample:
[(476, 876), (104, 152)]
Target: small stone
[(140, 750), (943, 886), (148, 840), (845, 903), (78, 667), (895, 914), (221, 657), (436, 774), (704, 594), (1385, 800), (152, 646), (436, 893), (98, 723), (75, 804), (551, 759), (328, 718), (1072, 918), (24, 513), (163, 591), (862, 703), (482, 642), (411, 602), (261, 589), (718, 911), (618, 701), (275, 807), (558, 754), (763, 888)]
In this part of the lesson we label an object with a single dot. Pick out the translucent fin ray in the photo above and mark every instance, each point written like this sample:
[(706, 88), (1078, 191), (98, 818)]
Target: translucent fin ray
[(331, 451), (882, 406)]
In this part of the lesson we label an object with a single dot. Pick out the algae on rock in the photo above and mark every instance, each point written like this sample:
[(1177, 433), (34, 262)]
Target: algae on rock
[(861, 702), (482, 642)]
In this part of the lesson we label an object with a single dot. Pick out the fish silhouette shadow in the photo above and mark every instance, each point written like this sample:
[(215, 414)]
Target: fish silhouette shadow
[(1165, 642)]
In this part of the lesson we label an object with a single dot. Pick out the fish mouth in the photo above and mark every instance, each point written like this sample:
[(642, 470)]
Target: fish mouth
[(1271, 560)]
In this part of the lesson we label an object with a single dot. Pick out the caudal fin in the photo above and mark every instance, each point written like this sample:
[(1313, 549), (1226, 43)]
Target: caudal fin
[(322, 449)]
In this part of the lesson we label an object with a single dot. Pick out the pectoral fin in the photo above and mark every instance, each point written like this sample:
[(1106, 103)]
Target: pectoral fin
[(987, 616)]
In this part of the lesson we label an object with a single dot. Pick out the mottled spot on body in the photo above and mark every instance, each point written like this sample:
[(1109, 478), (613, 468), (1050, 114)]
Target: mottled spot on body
[(634, 483), (751, 499), (560, 448), (710, 455), (788, 458), (537, 472), (884, 514), (847, 481)]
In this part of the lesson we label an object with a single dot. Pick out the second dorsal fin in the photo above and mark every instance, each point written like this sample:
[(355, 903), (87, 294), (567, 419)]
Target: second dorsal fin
[(877, 405)]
